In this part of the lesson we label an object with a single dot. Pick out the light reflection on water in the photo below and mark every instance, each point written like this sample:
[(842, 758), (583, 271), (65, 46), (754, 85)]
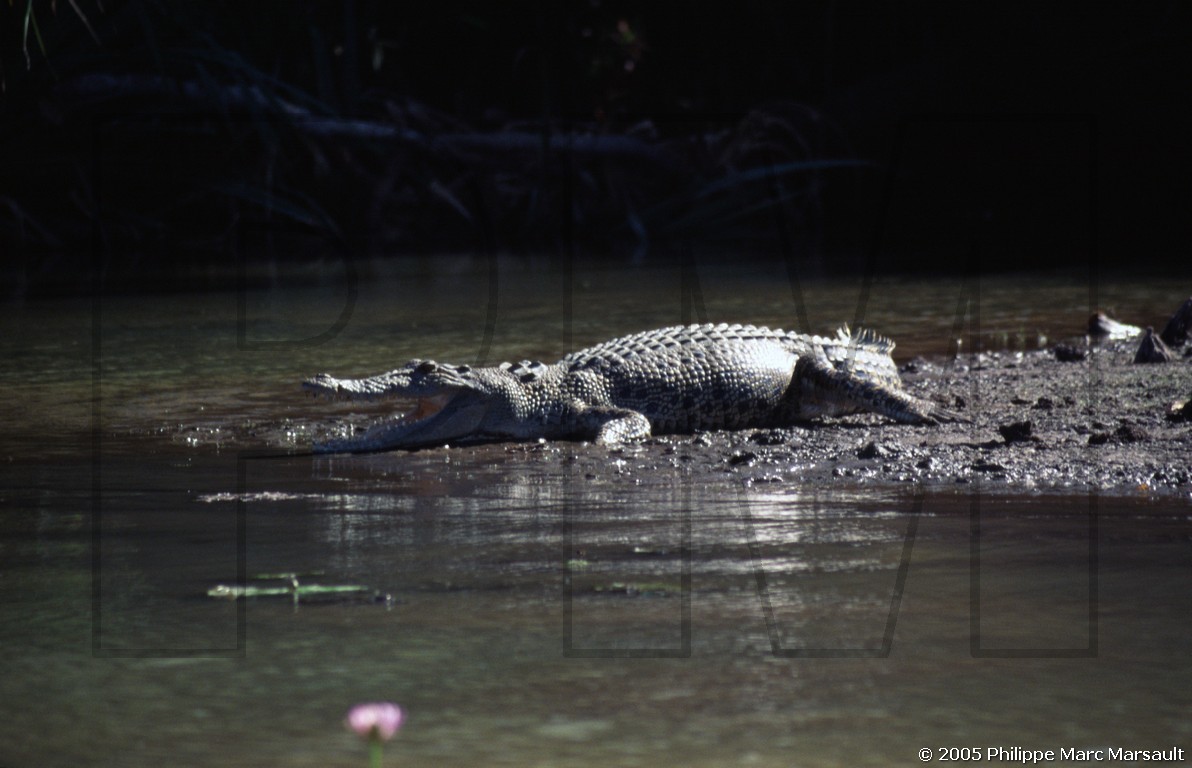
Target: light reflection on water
[(488, 590), (522, 591)]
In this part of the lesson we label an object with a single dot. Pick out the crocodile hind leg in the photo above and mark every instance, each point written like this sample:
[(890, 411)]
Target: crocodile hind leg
[(819, 389)]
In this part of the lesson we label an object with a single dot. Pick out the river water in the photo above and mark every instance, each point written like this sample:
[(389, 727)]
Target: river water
[(524, 612)]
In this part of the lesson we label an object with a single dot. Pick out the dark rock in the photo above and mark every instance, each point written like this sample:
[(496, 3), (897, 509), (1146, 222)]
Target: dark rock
[(874, 451), (1016, 432), (1131, 433), (1066, 353), (1152, 349), (1043, 404), (1178, 330), (1126, 433), (768, 437)]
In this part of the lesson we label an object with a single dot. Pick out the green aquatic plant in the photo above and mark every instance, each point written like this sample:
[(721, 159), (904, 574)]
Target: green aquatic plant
[(376, 721), (292, 588)]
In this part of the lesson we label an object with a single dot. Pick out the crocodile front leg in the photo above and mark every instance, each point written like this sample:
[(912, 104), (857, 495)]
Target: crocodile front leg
[(612, 425)]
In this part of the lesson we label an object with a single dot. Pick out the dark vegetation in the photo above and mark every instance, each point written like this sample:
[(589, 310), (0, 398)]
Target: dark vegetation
[(164, 142)]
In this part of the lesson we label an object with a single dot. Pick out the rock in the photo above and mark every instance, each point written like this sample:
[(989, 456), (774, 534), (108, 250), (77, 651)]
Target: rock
[(1152, 349), (1178, 330), (1017, 432), (1131, 433), (768, 437), (1126, 433), (1067, 353), (874, 451)]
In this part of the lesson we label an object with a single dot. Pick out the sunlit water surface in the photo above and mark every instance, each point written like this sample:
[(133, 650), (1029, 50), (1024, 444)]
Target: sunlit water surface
[(537, 616)]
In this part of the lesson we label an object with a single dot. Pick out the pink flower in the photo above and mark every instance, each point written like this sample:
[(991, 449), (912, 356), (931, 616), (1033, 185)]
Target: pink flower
[(375, 720)]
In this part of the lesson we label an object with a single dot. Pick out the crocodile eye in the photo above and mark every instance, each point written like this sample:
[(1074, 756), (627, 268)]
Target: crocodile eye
[(463, 369), (427, 366)]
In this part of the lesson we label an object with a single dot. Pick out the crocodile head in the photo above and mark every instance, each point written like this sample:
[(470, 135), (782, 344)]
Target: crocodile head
[(451, 403)]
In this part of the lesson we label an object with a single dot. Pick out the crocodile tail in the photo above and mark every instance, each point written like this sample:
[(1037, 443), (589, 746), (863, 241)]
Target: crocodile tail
[(939, 414)]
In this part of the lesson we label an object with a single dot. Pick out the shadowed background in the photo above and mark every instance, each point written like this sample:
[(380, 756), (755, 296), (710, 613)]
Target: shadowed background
[(166, 143)]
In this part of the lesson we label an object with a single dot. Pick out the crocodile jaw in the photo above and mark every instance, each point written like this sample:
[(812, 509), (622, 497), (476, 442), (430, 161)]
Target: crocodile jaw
[(452, 404), (427, 407), (435, 420)]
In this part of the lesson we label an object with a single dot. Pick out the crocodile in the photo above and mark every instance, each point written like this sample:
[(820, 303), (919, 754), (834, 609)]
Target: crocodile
[(681, 379)]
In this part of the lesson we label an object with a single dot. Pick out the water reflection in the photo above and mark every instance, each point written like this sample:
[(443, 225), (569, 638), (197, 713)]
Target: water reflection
[(533, 615)]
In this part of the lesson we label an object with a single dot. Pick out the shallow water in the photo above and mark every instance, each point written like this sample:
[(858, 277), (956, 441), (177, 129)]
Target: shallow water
[(536, 615)]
